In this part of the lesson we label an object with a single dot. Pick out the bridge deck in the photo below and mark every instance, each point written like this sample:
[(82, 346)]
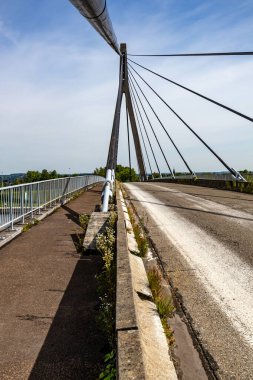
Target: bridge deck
[(204, 239), (47, 300)]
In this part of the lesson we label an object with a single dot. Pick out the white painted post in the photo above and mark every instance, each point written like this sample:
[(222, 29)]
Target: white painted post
[(107, 191)]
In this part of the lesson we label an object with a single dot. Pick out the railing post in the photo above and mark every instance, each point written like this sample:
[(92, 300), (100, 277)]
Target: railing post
[(31, 201), (22, 205), (11, 208), (45, 198), (38, 190)]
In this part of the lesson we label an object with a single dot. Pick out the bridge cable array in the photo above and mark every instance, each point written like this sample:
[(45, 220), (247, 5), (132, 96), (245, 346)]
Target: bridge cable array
[(232, 171), (96, 13), (137, 115), (163, 154), (134, 91), (162, 125), (129, 148), (150, 145), (195, 93)]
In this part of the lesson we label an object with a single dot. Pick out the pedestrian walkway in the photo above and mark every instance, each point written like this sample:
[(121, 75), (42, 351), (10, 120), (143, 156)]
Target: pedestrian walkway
[(48, 300)]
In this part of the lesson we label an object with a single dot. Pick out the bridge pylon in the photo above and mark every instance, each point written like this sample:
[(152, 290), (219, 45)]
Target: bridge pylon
[(126, 91), (113, 148)]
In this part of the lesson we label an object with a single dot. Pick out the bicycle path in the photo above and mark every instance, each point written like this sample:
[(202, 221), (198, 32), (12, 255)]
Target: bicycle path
[(48, 300)]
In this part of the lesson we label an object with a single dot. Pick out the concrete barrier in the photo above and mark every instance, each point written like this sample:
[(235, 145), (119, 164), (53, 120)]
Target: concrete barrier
[(243, 187), (129, 354), (143, 351)]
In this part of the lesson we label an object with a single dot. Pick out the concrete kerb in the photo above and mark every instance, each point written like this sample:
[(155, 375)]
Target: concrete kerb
[(150, 344), (6, 236), (129, 353)]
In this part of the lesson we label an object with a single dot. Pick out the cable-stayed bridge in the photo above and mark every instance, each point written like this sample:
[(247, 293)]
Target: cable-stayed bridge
[(133, 85), (201, 236)]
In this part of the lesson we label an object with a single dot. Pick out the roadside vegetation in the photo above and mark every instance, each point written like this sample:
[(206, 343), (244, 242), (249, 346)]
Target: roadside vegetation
[(122, 174), (242, 187), (247, 174), (29, 225), (161, 297), (139, 235), (164, 303), (106, 245), (32, 176)]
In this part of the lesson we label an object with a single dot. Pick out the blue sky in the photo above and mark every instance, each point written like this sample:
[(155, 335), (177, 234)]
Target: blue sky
[(59, 81)]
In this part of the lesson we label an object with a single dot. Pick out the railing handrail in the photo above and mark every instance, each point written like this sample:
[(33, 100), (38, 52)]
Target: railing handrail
[(19, 201), (48, 180)]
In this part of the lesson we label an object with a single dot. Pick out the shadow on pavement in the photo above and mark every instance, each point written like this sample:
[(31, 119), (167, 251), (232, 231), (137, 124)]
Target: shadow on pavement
[(72, 215), (192, 209), (203, 194), (74, 347)]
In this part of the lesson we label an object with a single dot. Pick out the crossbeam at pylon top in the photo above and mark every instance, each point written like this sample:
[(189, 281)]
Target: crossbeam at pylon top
[(123, 47)]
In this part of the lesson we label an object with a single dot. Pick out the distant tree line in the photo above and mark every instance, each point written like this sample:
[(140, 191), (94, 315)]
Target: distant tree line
[(122, 173), (36, 176)]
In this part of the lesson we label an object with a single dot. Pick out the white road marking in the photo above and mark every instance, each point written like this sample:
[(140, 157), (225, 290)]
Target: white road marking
[(228, 279)]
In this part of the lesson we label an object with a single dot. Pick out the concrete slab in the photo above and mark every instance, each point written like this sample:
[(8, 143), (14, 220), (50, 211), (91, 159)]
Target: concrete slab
[(97, 224), (130, 361)]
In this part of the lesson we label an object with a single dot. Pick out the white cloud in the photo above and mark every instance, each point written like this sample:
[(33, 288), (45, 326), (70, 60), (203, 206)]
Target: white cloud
[(6, 34)]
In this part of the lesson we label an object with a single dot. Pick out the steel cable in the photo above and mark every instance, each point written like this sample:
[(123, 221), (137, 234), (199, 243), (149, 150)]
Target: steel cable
[(129, 150), (165, 130), (131, 89), (235, 53), (196, 93), (151, 127), (142, 137), (187, 125)]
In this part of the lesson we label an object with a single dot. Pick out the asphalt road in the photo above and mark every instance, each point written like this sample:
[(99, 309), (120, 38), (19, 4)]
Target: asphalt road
[(205, 239)]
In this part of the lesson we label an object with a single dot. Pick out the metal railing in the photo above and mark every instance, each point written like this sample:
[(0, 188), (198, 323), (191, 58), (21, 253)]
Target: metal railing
[(219, 176), (21, 201)]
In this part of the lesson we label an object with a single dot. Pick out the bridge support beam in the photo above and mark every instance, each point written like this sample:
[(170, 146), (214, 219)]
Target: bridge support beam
[(125, 89), (113, 148)]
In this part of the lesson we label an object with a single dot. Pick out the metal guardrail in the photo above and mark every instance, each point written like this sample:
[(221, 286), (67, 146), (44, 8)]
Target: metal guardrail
[(208, 176), (21, 201), (219, 177)]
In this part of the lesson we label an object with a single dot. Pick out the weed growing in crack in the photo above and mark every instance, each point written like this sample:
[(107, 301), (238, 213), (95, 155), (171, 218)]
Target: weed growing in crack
[(168, 332), (105, 244), (79, 236), (155, 279), (140, 238), (27, 227), (164, 304), (84, 221)]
